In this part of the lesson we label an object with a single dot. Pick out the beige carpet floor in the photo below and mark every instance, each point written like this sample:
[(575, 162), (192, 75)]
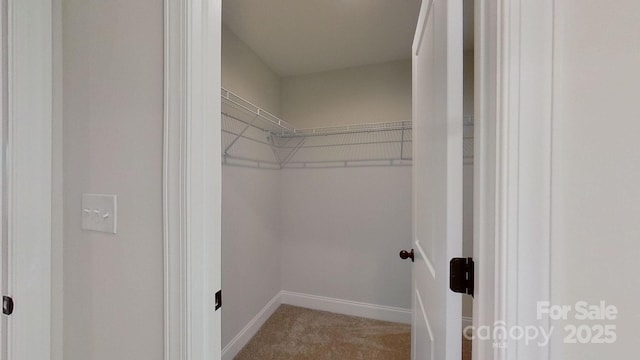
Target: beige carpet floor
[(295, 333), (299, 333), (466, 349)]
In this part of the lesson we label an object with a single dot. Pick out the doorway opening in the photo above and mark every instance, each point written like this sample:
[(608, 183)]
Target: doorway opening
[(317, 153)]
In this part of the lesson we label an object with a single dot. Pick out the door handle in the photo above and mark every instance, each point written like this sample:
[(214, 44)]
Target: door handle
[(404, 254)]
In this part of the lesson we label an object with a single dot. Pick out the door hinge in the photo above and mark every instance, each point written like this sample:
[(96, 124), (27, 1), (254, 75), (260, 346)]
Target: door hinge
[(7, 305), (461, 275), (218, 300)]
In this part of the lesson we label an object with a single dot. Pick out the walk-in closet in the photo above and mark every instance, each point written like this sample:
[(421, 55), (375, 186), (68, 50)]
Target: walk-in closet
[(317, 173)]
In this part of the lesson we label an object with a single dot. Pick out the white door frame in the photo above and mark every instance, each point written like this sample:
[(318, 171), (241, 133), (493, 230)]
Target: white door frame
[(513, 165), (192, 178), (514, 57), (27, 171)]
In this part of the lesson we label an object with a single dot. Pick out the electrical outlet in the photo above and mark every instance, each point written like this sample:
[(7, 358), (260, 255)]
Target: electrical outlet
[(99, 213)]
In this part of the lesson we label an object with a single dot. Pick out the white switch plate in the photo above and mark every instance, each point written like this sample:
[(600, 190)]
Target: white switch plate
[(99, 213)]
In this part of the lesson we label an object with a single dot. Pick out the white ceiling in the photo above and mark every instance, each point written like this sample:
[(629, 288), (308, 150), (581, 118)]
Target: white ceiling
[(297, 37), (303, 36)]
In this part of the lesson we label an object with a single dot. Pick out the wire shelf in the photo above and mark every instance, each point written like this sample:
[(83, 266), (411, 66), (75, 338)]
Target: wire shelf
[(244, 111), (347, 129), (254, 137)]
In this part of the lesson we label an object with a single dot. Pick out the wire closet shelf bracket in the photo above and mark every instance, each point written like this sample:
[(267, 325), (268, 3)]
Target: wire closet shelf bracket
[(253, 137)]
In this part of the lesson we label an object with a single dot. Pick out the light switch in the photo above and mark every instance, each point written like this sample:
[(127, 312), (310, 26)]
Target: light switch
[(99, 213)]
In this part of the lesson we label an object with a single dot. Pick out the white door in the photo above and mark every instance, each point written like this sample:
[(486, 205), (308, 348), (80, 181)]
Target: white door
[(437, 179)]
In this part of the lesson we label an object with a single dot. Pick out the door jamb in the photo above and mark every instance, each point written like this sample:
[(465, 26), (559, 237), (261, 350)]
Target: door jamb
[(27, 192), (512, 225), (192, 178)]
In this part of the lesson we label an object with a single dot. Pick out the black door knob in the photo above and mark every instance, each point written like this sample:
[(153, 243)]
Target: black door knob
[(404, 254)]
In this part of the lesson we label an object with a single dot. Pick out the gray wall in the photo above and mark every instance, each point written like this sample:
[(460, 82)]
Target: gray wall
[(251, 243), (251, 236), (596, 170), (113, 113), (364, 94), (244, 73), (342, 231)]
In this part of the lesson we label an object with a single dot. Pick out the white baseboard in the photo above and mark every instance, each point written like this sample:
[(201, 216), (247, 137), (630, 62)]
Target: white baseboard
[(239, 341), (347, 307)]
